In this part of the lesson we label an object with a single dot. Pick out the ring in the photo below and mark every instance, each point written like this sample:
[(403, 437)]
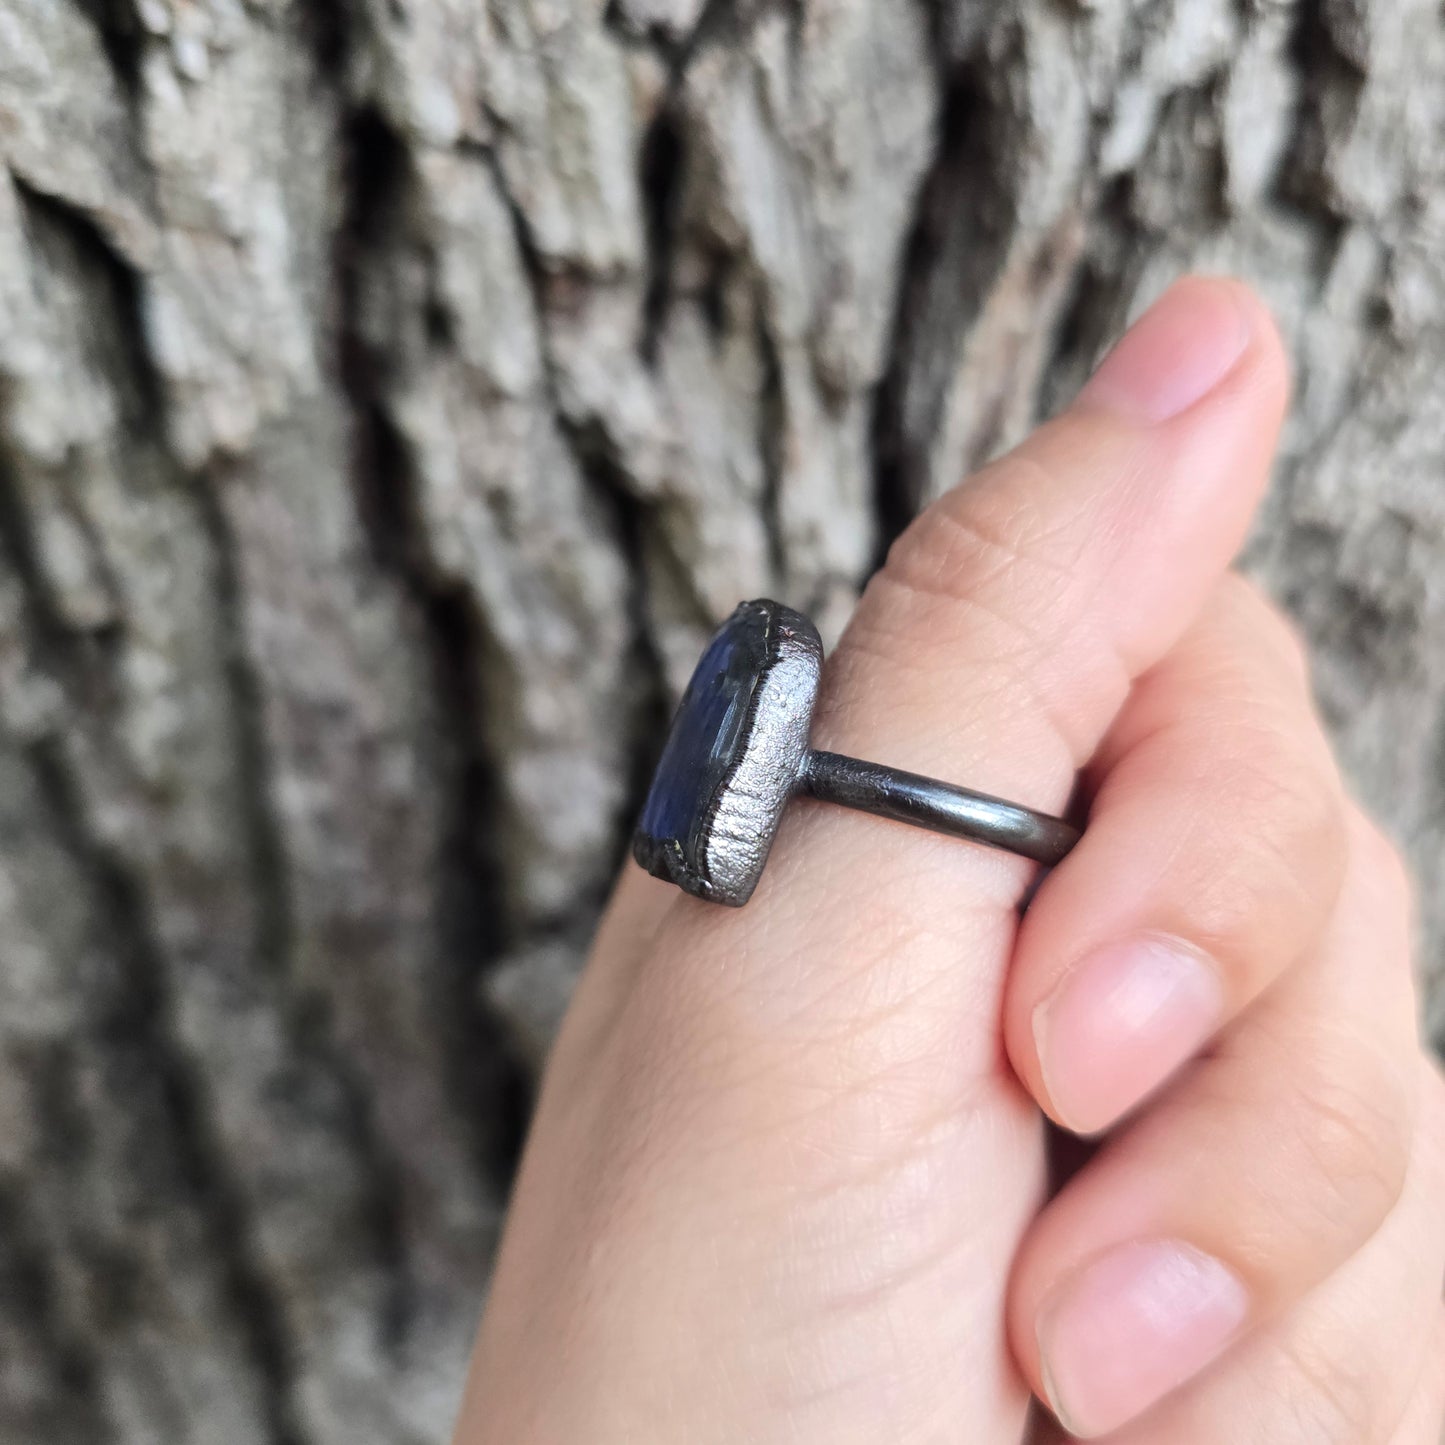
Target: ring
[(738, 754)]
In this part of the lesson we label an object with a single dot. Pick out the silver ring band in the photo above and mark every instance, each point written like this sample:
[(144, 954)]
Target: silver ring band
[(940, 807)]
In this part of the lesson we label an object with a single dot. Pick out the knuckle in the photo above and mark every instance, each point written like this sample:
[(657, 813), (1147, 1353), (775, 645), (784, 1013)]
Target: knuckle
[(1355, 1128), (1285, 640), (1272, 846), (1281, 749), (1268, 625), (976, 537), (1333, 1391), (1311, 831), (1382, 866), (1432, 1120), (1261, 750), (1296, 797)]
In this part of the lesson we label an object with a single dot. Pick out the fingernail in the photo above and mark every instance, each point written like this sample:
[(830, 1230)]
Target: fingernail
[(1132, 1326), (1120, 1023), (1177, 352)]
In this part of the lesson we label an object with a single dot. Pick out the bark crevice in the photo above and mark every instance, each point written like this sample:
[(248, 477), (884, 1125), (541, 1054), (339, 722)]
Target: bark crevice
[(475, 926), (145, 1018), (957, 242), (32, 1294)]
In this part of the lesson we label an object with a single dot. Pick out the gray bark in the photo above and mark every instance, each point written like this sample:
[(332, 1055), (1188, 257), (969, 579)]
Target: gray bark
[(391, 394)]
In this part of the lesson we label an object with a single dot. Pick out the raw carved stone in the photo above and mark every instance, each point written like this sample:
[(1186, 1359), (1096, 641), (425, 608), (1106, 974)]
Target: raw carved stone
[(392, 397), (734, 755)]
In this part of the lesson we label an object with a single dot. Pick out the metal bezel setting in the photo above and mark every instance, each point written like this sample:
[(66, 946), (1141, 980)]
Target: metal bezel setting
[(735, 832)]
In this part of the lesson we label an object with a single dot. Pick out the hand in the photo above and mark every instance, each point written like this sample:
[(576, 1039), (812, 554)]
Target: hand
[(787, 1180)]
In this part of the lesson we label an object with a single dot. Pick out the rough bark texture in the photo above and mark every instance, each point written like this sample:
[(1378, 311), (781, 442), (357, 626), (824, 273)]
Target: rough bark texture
[(391, 394)]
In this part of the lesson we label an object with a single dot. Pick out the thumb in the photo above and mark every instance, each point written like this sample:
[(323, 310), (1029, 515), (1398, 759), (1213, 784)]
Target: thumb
[(781, 1166)]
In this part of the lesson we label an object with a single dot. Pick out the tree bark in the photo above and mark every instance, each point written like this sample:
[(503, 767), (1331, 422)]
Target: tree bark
[(392, 393)]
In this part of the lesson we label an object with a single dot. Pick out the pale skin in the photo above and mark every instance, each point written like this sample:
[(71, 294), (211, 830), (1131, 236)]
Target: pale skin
[(788, 1177)]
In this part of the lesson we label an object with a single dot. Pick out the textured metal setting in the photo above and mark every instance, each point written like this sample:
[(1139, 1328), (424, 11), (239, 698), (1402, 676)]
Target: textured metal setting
[(712, 812), (751, 803)]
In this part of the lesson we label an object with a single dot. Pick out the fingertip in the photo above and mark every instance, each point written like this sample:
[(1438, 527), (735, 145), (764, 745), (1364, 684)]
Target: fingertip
[(1203, 332), (1119, 1025), (1264, 367), (1130, 1327)]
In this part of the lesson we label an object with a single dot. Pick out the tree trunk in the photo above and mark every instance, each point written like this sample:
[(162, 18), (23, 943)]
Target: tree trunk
[(392, 393)]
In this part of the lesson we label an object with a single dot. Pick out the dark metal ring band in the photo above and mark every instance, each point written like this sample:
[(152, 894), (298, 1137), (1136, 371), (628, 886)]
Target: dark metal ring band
[(739, 752), (940, 807)]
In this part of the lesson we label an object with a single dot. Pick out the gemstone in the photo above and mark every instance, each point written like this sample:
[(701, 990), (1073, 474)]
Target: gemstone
[(703, 750)]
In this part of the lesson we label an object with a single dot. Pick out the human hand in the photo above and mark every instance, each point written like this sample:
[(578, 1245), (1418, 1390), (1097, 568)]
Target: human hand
[(788, 1176)]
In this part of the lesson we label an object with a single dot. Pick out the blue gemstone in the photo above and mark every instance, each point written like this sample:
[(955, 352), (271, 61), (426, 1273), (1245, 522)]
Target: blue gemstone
[(707, 738)]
